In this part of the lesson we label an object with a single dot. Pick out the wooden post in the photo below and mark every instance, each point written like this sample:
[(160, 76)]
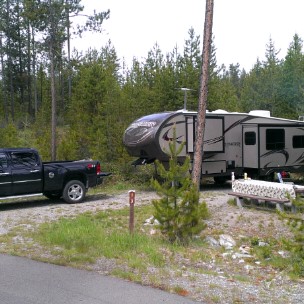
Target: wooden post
[(131, 217)]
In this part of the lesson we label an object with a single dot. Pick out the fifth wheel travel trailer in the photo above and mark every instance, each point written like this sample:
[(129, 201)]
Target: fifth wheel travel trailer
[(253, 142)]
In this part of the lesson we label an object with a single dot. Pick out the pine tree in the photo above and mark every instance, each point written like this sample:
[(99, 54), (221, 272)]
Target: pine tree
[(178, 211), (291, 86)]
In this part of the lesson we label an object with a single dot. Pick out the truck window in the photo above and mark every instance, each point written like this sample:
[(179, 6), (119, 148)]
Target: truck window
[(298, 141), (275, 139), (26, 159), (3, 161), (250, 138)]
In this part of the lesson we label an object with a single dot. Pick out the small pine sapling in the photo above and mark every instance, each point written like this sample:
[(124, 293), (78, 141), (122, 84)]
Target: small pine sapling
[(178, 211)]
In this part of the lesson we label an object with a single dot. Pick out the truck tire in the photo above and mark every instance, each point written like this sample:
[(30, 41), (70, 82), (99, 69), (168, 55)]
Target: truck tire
[(74, 192)]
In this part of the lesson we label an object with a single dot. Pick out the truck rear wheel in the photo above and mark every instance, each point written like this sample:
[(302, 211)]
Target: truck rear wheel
[(74, 192)]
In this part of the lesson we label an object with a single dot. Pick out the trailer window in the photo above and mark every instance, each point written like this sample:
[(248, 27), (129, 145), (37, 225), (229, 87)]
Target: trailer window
[(298, 141), (250, 138), (275, 139)]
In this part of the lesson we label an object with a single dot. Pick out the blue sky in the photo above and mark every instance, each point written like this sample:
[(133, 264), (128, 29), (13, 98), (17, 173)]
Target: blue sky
[(241, 28)]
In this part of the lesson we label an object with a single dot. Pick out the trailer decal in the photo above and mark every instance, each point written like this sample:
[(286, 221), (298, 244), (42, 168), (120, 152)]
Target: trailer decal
[(300, 159), (237, 123), (167, 138), (285, 153)]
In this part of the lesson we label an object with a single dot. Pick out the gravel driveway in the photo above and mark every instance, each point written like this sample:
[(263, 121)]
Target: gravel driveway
[(207, 282)]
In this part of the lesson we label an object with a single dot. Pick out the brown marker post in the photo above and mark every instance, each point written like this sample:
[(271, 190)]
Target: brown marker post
[(131, 218)]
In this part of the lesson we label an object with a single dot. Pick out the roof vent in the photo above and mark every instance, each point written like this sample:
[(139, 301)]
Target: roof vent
[(220, 111), (260, 113)]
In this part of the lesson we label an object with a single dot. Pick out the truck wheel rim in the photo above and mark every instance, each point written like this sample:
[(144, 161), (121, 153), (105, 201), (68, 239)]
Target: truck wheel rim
[(75, 192)]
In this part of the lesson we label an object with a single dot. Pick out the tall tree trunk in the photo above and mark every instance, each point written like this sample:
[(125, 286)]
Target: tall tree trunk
[(203, 94), (53, 95), (69, 51), (3, 86), (34, 73), (52, 43), (10, 65), (29, 76), (20, 56)]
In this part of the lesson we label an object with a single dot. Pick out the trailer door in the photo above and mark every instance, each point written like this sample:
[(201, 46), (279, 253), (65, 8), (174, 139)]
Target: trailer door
[(250, 147)]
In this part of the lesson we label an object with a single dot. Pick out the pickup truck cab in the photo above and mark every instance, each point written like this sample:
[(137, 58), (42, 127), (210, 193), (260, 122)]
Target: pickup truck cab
[(22, 173)]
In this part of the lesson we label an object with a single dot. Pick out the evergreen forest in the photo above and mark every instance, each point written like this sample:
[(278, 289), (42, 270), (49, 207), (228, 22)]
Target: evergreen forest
[(87, 99)]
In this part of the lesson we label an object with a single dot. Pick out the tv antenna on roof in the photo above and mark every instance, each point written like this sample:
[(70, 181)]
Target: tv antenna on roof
[(185, 96)]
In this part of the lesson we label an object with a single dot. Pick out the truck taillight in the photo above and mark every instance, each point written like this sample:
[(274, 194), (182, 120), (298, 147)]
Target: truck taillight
[(90, 166), (98, 170)]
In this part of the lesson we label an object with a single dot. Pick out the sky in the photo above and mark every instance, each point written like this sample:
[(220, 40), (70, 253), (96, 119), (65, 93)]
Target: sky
[(241, 28)]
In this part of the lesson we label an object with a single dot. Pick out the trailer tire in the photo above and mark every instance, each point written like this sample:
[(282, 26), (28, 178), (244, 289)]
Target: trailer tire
[(220, 180), (74, 192)]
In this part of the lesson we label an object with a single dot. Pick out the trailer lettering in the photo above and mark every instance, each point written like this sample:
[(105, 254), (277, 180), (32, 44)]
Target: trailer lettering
[(233, 144), (148, 124)]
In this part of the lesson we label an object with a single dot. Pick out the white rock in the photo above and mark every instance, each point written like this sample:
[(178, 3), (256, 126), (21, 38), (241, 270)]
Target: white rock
[(152, 231), (262, 244), (227, 241), (149, 221), (244, 249), (241, 255), (156, 222), (283, 254), (248, 267), (212, 241)]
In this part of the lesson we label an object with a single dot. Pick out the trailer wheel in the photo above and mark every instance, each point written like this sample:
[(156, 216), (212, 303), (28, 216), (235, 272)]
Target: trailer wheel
[(220, 180), (74, 192)]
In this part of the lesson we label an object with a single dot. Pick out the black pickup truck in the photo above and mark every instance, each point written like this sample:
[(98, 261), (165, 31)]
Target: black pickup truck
[(22, 173)]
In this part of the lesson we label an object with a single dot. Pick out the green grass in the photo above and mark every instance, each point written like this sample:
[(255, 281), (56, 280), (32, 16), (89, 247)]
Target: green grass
[(269, 255), (89, 236)]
